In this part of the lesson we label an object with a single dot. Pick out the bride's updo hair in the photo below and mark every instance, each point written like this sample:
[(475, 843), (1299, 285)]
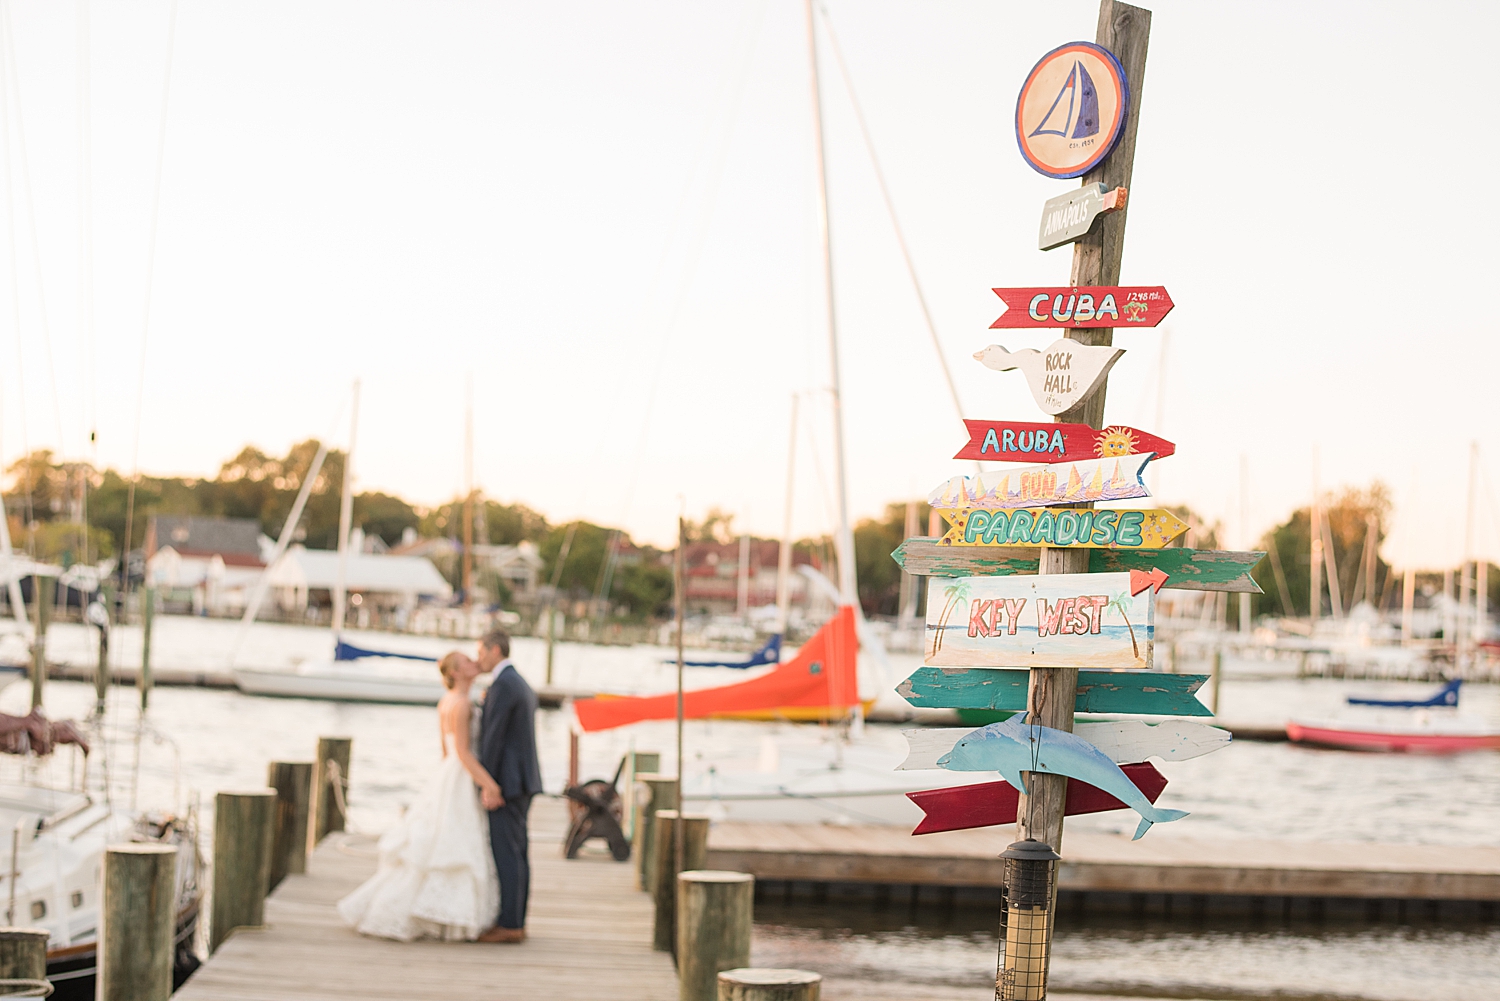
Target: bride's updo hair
[(449, 668)]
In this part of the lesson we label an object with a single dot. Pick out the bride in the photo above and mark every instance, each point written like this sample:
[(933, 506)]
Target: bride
[(436, 877)]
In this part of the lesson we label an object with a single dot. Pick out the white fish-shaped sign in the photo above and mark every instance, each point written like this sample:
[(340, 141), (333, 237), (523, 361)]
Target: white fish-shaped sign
[(1062, 376), (1013, 747), (1125, 741)]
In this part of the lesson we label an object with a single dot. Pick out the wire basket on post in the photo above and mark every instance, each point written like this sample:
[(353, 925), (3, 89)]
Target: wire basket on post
[(1030, 869)]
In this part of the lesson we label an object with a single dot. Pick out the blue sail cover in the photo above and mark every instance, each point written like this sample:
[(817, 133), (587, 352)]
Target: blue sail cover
[(768, 654), (1446, 696), (347, 651)]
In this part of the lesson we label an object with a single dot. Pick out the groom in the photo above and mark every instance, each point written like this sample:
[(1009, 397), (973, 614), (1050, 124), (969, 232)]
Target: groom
[(507, 750)]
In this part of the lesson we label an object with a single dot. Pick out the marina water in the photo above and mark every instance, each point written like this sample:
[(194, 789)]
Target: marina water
[(199, 741)]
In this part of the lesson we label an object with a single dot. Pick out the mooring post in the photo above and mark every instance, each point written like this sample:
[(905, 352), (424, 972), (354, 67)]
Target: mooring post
[(23, 955), (665, 869), (148, 617), (661, 794), (138, 923), (244, 831), (330, 788), (41, 596), (292, 781), (637, 764), (769, 984), (715, 910)]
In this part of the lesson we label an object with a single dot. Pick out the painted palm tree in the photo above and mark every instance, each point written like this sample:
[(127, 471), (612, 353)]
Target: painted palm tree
[(956, 592), (1118, 603)]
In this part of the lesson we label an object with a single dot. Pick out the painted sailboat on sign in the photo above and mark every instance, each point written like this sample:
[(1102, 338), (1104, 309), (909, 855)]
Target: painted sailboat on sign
[(1051, 620), (1079, 118), (1107, 478)]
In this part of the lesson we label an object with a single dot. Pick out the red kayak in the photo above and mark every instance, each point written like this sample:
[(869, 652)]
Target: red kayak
[(1423, 733)]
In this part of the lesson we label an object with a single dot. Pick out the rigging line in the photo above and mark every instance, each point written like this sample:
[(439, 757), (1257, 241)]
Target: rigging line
[(890, 207), (36, 253), (86, 258), (15, 302), (695, 257), (140, 386)]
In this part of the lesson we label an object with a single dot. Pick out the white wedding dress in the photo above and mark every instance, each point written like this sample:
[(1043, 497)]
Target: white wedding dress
[(436, 877)]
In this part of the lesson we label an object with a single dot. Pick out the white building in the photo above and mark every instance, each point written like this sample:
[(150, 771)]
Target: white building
[(211, 564), (380, 586)]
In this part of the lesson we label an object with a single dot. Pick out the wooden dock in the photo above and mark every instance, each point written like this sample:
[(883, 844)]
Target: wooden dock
[(1101, 863), (589, 936)]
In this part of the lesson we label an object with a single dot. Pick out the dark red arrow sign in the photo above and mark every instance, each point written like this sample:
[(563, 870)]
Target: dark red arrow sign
[(958, 808), (1083, 306), (1018, 441)]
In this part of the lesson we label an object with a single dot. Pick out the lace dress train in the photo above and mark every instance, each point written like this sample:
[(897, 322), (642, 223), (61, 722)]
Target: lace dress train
[(436, 877)]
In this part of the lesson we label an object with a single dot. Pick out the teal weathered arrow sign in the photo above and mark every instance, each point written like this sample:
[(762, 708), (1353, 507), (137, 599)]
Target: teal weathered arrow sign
[(1187, 569), (1146, 693)]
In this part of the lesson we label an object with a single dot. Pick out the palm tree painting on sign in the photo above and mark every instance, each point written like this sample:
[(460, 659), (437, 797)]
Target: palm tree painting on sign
[(1048, 620)]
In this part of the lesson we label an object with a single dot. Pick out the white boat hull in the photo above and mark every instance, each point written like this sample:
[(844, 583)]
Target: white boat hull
[(340, 685)]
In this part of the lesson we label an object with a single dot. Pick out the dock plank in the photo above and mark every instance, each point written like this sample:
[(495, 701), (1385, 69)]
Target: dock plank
[(1102, 862), (589, 931)]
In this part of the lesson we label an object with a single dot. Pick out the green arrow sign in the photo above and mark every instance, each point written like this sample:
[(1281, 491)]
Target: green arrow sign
[(1146, 693), (1187, 569)]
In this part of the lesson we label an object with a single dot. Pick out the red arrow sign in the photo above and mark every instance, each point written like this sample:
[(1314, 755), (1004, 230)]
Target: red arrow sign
[(1083, 306), (1018, 441), (1140, 580), (958, 808)]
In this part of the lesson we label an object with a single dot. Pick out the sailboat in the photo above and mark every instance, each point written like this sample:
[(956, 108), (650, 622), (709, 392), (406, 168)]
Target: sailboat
[(353, 674)]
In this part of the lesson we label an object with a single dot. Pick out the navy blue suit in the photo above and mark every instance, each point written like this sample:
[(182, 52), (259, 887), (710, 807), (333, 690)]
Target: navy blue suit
[(507, 750)]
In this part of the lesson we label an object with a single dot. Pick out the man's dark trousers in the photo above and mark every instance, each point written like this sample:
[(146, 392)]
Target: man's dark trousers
[(509, 843)]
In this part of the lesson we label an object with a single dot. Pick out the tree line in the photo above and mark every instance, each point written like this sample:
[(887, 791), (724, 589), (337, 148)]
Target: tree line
[(66, 512)]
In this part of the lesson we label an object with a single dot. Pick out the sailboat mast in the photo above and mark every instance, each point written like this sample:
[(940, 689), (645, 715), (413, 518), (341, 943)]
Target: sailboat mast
[(346, 515), (468, 533), (784, 557), (845, 545)]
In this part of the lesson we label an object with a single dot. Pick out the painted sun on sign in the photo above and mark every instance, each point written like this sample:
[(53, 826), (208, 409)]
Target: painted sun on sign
[(1071, 109), (1102, 479)]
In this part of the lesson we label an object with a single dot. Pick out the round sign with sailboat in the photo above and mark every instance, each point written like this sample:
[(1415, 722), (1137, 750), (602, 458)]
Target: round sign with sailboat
[(1071, 110)]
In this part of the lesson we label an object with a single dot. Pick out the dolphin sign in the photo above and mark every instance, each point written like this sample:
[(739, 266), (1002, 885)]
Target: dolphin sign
[(1013, 747)]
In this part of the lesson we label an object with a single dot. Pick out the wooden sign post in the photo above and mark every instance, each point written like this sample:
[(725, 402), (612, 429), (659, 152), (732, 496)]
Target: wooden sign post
[(1124, 31)]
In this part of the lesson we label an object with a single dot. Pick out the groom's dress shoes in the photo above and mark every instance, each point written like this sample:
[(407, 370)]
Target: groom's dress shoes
[(503, 935)]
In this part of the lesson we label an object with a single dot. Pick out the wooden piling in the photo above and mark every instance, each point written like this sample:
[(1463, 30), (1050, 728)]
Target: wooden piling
[(767, 984), (138, 922), (326, 811), (661, 794), (244, 831), (41, 595), (715, 910), (292, 781), (148, 617), (23, 954), (694, 843), (637, 763)]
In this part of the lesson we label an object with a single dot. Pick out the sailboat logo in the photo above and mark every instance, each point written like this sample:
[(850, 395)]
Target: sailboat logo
[(1082, 97), (1071, 109)]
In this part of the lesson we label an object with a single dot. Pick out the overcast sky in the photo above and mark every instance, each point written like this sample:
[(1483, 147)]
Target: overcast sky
[(604, 214)]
